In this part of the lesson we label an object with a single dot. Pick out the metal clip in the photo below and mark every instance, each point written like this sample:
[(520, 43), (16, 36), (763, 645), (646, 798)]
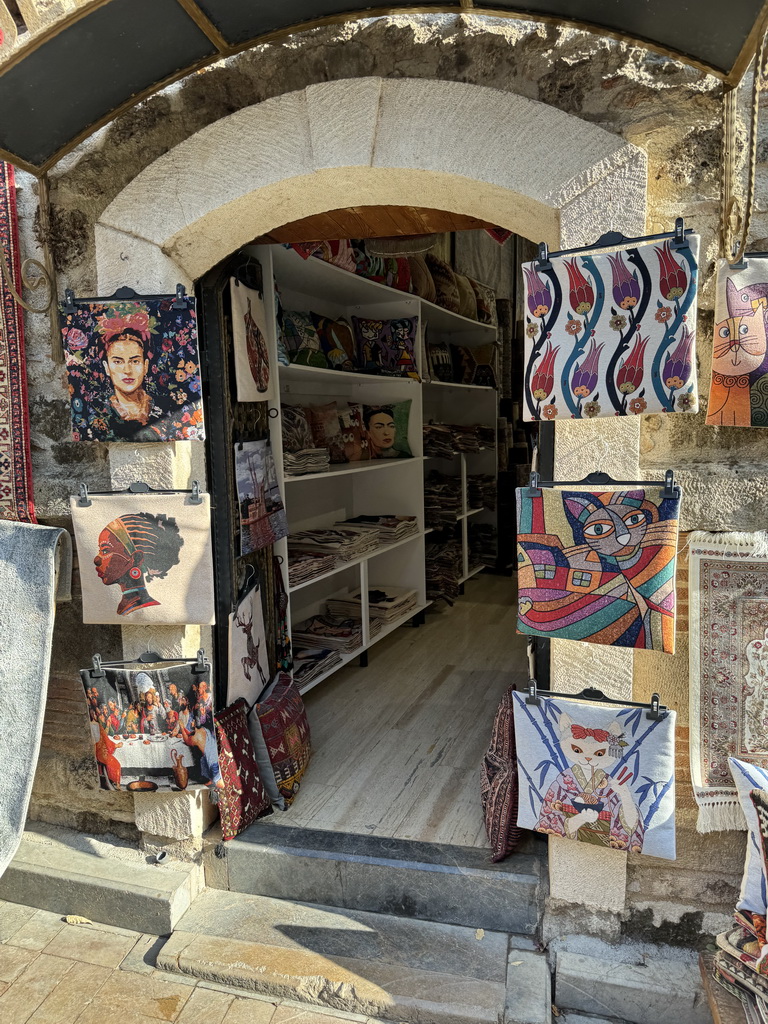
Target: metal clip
[(202, 664), (534, 482), (656, 712), (671, 490), (180, 302), (679, 242), (68, 305), (84, 501), (543, 260), (532, 697), (97, 672), (196, 498)]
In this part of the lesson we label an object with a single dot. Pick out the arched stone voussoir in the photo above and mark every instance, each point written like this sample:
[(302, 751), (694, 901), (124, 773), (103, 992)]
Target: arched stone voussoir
[(464, 148)]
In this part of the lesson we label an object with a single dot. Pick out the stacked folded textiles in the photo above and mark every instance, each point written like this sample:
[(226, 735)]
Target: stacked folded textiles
[(305, 565), (442, 499), (311, 662), (328, 632), (344, 543), (306, 460), (486, 435), (481, 491), (438, 440), (390, 528), (385, 604), (465, 439), (443, 570), (482, 544), (738, 965), (445, 439)]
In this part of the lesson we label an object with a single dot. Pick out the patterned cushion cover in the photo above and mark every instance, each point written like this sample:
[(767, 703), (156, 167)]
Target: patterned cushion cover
[(243, 798), (446, 288), (339, 252), (337, 341), (498, 783), (324, 424), (467, 299), (753, 884), (280, 731), (353, 434), (476, 365), (302, 341), (486, 302), (421, 279), (297, 433)]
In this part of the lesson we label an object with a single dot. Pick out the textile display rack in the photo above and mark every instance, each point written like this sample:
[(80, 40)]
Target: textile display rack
[(611, 239), (656, 711), (670, 488), (139, 487), (200, 663)]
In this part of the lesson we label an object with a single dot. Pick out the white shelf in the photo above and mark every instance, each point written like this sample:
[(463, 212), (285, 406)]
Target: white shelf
[(355, 561), (472, 572), (472, 512), (345, 660), (343, 468), (454, 454), (450, 384), (301, 373)]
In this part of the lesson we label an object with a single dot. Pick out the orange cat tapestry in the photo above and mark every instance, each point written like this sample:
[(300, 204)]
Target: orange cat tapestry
[(738, 392), (596, 773), (598, 566)]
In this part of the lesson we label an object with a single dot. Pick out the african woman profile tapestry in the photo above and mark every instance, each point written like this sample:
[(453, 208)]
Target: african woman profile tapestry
[(153, 728), (738, 392), (145, 559), (598, 566), (255, 382), (596, 773), (612, 334), (133, 369)]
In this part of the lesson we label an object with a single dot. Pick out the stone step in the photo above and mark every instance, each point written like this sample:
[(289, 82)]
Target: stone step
[(101, 878), (449, 884), (393, 968)]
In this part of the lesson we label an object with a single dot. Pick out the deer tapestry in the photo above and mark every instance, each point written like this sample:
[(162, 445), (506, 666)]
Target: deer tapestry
[(738, 393), (248, 655), (596, 773), (612, 334)]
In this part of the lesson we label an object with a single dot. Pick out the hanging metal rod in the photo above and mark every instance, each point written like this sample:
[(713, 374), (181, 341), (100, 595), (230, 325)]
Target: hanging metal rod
[(611, 239)]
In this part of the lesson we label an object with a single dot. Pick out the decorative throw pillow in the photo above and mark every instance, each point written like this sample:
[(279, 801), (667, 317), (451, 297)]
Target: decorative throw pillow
[(297, 433), (337, 341), (498, 783), (353, 434), (243, 798), (302, 341), (399, 274), (339, 252), (441, 361), (387, 346), (421, 279), (371, 341), (304, 249), (446, 288), (467, 300), (753, 884), (280, 733), (476, 365), (387, 429), (282, 348), (486, 302), (324, 424)]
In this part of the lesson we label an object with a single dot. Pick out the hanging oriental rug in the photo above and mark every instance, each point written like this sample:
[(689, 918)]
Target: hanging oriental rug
[(612, 334), (16, 496), (728, 668), (598, 566)]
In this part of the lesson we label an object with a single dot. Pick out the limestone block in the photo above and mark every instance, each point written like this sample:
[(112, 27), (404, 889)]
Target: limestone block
[(124, 261), (608, 445), (342, 121), (615, 202), (721, 495), (589, 875), (174, 815), (529, 988)]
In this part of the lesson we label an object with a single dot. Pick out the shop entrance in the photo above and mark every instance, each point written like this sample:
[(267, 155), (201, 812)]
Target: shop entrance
[(400, 702)]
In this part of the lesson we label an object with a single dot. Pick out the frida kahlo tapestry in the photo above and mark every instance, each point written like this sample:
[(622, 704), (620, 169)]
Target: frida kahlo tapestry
[(598, 566), (133, 370), (612, 334), (597, 774), (738, 392)]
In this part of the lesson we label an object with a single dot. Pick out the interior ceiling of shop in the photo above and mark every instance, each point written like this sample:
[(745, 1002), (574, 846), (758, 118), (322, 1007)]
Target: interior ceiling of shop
[(372, 222), (105, 56)]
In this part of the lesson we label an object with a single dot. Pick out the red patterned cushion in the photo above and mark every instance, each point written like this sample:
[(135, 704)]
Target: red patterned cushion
[(498, 783), (243, 798), (285, 729)]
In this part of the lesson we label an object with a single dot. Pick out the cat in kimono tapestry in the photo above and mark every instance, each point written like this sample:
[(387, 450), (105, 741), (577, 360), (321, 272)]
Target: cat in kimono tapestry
[(585, 802)]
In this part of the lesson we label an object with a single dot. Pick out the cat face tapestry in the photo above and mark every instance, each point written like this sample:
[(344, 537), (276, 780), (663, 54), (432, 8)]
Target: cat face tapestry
[(598, 566), (262, 513), (738, 393), (596, 774), (153, 728), (255, 382), (133, 370), (145, 559), (612, 334), (248, 656)]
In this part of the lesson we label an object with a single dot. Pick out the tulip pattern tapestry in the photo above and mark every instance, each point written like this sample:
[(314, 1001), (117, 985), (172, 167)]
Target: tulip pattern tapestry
[(598, 566), (738, 393), (612, 334), (597, 774)]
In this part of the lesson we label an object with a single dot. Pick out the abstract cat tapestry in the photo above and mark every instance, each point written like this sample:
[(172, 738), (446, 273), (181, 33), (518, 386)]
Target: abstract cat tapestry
[(248, 657), (598, 566), (597, 774), (738, 393), (262, 513), (612, 334), (134, 370), (145, 559), (728, 668), (153, 728), (254, 381)]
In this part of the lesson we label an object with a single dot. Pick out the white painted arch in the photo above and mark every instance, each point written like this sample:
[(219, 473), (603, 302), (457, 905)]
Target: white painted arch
[(542, 173)]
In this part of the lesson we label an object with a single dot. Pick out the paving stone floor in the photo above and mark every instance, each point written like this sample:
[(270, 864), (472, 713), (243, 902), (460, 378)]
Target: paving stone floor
[(55, 973)]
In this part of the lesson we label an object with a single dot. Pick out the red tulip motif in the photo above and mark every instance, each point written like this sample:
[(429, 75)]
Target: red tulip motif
[(543, 379), (672, 280), (580, 294), (630, 373)]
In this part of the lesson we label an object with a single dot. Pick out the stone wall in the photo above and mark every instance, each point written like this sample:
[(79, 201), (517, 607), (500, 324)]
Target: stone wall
[(673, 114)]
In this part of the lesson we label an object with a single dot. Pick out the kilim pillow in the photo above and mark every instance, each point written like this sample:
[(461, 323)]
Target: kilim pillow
[(467, 298), (486, 302), (243, 798), (280, 731), (421, 279), (446, 288), (498, 783)]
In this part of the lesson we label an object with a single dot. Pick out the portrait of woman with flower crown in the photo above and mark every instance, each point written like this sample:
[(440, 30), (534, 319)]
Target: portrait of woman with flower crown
[(133, 370)]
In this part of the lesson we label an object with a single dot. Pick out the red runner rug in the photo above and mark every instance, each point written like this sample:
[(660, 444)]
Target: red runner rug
[(16, 495)]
